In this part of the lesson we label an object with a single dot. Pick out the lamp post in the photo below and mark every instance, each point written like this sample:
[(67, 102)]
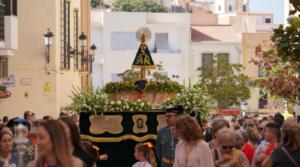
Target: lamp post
[(93, 48), (92, 59), (82, 38), (48, 41)]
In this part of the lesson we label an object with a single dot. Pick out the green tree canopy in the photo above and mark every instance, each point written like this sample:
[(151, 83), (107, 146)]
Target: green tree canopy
[(287, 39), (96, 3), (225, 83), (138, 6), (281, 60)]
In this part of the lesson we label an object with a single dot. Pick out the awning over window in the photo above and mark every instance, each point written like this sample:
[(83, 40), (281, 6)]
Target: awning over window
[(227, 112), (4, 94)]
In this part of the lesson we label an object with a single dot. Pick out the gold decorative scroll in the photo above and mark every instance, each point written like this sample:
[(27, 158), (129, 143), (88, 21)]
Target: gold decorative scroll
[(119, 139), (161, 122), (140, 125), (106, 123)]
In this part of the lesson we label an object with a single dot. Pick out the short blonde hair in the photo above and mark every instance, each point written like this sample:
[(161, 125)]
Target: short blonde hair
[(226, 134)]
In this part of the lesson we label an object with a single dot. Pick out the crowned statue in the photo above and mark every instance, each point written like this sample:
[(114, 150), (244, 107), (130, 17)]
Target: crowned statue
[(143, 59)]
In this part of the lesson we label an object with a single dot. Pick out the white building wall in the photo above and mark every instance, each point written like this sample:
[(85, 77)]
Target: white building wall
[(197, 49), (218, 6), (175, 60), (232, 4), (11, 32)]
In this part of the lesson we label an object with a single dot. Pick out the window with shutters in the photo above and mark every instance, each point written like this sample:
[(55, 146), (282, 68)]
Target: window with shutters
[(10, 7), (3, 67), (222, 60), (123, 41), (207, 62), (162, 42), (223, 57), (65, 35)]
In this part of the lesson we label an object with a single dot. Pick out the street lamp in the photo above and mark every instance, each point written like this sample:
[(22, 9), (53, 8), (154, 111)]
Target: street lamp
[(48, 41), (93, 48), (83, 38), (92, 59)]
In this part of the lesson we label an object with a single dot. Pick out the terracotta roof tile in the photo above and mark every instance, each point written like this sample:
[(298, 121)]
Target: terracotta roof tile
[(223, 33)]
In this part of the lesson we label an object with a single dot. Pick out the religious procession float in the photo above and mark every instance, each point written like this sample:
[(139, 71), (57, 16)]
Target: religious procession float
[(123, 114)]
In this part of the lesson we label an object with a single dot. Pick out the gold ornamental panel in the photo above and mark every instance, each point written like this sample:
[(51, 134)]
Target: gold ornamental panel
[(106, 123)]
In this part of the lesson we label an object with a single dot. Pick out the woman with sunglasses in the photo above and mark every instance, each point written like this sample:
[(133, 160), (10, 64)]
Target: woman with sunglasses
[(227, 155)]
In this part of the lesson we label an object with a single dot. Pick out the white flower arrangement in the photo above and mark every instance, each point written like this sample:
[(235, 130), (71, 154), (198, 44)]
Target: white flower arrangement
[(128, 106), (194, 100)]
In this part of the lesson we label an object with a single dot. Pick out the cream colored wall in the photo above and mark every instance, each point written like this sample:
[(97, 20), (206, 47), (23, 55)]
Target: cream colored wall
[(243, 23), (29, 62), (71, 78)]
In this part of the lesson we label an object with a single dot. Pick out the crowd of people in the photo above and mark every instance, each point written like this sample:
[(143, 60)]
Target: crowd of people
[(51, 143), (186, 141), (249, 141)]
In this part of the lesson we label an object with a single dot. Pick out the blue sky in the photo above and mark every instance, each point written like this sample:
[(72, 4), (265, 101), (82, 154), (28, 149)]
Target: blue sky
[(269, 6), (266, 6)]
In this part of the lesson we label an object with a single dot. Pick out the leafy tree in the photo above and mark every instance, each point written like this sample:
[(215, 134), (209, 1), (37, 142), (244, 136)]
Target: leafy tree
[(96, 3), (130, 75), (138, 6), (157, 76), (225, 82), (281, 60), (287, 39), (281, 79), (133, 75)]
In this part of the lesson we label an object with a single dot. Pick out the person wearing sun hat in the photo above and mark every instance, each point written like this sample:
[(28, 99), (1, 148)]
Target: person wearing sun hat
[(167, 139)]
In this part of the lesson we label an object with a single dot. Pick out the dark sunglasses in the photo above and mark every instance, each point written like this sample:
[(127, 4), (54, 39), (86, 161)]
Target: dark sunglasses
[(227, 147)]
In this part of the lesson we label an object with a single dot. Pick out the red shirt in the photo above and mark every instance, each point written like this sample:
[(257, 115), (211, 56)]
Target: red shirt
[(249, 152), (270, 149)]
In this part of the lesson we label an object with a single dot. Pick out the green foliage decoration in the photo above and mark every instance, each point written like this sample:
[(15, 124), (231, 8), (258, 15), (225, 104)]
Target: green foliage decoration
[(153, 87)]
